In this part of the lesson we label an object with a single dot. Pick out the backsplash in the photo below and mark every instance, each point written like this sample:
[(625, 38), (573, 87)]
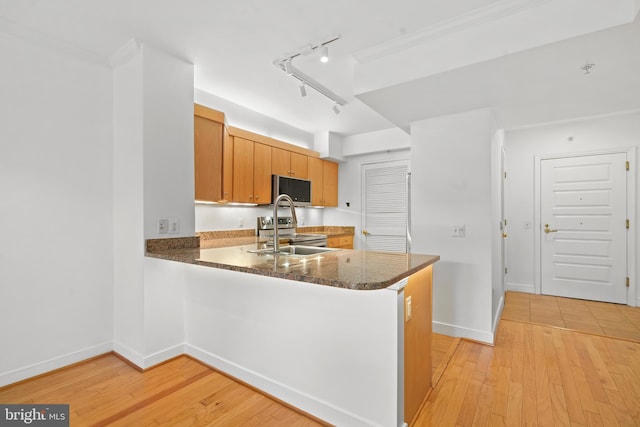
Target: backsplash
[(212, 217)]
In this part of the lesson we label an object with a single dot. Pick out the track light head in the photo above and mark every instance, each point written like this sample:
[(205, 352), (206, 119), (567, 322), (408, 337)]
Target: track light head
[(287, 67), (324, 54), (303, 90), (335, 108)]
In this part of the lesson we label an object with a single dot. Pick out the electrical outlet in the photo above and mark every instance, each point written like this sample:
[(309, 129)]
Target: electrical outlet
[(163, 226), (458, 230), (408, 308)]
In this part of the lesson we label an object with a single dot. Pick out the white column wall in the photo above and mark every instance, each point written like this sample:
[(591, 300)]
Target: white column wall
[(153, 178), (452, 185), (56, 249), (329, 351)]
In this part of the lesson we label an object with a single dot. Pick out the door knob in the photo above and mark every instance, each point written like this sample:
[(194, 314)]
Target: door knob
[(504, 235), (365, 232), (548, 230)]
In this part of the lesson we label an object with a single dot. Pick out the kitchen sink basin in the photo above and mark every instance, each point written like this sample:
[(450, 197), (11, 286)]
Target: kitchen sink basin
[(296, 250), (305, 250)]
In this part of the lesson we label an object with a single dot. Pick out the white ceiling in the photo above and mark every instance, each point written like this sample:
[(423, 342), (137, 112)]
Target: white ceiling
[(233, 44)]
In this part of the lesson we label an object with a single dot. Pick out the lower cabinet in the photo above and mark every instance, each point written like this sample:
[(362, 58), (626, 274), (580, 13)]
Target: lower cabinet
[(342, 242)]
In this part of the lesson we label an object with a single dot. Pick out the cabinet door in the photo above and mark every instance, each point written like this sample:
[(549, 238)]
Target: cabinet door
[(299, 165), (227, 165), (330, 183), (262, 173), (207, 159), (315, 175), (280, 161), (242, 170)]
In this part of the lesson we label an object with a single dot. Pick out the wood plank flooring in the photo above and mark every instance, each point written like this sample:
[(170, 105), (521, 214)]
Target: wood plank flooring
[(182, 392), (542, 373), (613, 320), (536, 374)]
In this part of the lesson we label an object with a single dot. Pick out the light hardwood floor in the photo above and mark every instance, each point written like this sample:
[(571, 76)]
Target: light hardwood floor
[(613, 320), (541, 372), (536, 374), (182, 392)]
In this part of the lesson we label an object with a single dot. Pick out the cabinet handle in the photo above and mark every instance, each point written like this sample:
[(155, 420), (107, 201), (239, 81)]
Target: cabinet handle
[(257, 197), (251, 196), (226, 193)]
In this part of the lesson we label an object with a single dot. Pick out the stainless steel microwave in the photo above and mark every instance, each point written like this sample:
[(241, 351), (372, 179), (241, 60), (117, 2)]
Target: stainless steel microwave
[(298, 189)]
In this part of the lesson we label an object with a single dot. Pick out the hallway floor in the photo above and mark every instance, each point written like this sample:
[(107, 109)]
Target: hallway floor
[(612, 320)]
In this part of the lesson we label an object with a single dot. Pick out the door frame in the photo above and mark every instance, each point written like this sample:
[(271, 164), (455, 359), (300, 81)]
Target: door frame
[(363, 204), (632, 292)]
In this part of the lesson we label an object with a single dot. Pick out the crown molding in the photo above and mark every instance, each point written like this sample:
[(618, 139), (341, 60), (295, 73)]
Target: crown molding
[(48, 42), (494, 11)]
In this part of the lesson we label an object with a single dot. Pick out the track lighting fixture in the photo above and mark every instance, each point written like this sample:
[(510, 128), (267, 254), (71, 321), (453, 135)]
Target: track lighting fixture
[(324, 54), (286, 65)]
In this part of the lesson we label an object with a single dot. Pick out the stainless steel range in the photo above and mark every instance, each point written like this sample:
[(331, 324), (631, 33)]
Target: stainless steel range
[(287, 231)]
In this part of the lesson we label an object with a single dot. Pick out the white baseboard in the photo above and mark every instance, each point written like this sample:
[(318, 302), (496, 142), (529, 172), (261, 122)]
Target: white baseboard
[(23, 373), (321, 409), (128, 353), (145, 362), (517, 287), (163, 355), (459, 331)]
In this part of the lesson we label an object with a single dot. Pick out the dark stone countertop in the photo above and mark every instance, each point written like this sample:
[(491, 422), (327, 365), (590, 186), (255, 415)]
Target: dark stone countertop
[(344, 268)]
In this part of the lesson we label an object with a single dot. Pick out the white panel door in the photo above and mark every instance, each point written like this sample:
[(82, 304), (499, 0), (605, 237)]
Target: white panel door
[(583, 225), (384, 201)]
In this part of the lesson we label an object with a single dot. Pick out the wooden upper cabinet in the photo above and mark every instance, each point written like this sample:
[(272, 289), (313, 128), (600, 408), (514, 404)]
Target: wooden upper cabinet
[(288, 163), (242, 170), (280, 161), (227, 165), (262, 161), (299, 165), (208, 136), (329, 183), (324, 182), (315, 175)]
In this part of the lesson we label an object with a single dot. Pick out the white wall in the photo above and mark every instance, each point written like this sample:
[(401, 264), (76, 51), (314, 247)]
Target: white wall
[(56, 302), (385, 140), (452, 185), (168, 141), (244, 118), (329, 351), (153, 178), (128, 204), (521, 147)]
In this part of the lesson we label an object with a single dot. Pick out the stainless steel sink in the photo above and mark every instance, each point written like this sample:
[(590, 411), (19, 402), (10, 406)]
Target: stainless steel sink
[(305, 250), (296, 250)]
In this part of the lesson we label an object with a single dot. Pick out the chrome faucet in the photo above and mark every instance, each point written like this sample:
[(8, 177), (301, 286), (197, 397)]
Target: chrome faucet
[(276, 238)]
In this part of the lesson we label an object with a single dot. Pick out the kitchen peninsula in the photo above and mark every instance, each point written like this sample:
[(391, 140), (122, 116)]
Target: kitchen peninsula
[(343, 335)]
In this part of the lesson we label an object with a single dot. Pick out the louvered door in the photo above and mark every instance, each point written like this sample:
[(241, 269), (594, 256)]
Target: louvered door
[(384, 216)]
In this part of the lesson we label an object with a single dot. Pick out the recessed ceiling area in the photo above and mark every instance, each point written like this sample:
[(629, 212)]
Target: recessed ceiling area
[(535, 86)]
